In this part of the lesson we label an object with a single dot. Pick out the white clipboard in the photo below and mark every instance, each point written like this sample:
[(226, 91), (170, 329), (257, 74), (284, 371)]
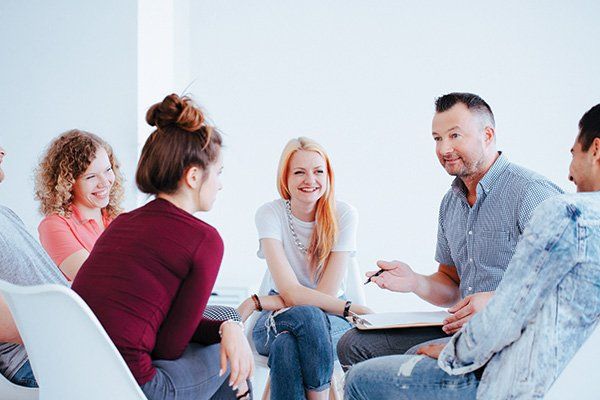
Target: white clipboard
[(398, 320)]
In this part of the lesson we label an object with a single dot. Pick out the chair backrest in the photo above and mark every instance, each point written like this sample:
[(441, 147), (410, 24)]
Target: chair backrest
[(579, 379), (10, 391), (71, 355)]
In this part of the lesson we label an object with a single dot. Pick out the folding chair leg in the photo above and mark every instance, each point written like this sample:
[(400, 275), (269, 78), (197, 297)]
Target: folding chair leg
[(267, 392), (333, 390)]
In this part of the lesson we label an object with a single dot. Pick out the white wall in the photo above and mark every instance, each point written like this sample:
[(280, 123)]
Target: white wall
[(156, 50), (361, 78), (64, 64)]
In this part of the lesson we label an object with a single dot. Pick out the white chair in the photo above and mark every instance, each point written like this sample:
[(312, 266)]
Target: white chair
[(579, 379), (354, 291), (10, 391), (71, 355)]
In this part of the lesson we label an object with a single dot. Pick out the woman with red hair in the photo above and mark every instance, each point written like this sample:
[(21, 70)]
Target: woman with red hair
[(308, 239)]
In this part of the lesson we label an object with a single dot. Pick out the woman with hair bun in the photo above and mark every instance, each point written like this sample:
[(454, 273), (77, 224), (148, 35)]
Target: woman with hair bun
[(308, 239), (150, 275), (80, 189)]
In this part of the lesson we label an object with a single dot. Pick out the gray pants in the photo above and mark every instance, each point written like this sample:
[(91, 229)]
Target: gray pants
[(193, 376), (356, 345)]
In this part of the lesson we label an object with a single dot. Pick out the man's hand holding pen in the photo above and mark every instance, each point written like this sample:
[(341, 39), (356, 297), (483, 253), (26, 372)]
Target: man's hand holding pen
[(395, 276), (399, 277)]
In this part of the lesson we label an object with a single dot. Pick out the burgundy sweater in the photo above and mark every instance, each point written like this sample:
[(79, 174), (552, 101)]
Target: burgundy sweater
[(148, 279)]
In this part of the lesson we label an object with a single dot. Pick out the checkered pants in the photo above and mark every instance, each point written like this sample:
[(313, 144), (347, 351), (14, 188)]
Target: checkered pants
[(221, 313)]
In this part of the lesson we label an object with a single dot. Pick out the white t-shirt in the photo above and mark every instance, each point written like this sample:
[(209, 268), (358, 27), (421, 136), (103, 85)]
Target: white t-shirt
[(272, 223)]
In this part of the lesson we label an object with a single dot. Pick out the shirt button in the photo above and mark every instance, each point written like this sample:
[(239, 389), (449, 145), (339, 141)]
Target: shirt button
[(469, 288), (470, 232), (470, 260)]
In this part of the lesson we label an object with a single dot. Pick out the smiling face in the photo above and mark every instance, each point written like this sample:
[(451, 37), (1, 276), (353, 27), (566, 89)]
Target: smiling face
[(462, 141), (307, 179), (92, 189), (2, 154)]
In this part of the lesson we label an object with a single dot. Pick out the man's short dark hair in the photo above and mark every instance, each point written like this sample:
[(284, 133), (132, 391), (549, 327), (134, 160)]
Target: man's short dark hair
[(473, 102), (589, 127)]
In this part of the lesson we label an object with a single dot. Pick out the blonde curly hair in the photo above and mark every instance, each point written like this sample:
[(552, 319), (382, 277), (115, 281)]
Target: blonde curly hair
[(66, 159)]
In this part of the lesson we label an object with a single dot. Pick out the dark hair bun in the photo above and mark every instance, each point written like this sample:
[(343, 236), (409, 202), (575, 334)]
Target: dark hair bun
[(175, 111)]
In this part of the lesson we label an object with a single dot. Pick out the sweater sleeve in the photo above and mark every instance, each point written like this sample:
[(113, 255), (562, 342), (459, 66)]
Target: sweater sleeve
[(184, 321)]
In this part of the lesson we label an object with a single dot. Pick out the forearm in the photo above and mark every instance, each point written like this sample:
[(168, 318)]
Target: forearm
[(71, 265), (272, 303), (266, 303), (298, 295), (437, 289)]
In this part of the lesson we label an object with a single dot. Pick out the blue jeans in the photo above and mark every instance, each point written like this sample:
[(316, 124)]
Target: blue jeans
[(195, 375), (407, 377), (300, 345), (24, 376)]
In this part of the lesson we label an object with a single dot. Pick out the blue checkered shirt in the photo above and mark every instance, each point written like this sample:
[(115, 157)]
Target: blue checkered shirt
[(480, 240)]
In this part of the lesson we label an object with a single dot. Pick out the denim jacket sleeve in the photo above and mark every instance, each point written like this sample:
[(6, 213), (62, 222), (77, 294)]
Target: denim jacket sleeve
[(544, 255)]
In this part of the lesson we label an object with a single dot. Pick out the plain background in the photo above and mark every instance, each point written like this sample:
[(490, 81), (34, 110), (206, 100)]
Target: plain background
[(359, 77)]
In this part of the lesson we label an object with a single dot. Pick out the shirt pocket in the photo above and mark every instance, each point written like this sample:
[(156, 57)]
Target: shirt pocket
[(494, 248)]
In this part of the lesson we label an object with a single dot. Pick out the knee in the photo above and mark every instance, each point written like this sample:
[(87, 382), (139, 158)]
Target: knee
[(309, 316), (378, 378), (306, 312), (348, 348), (355, 383)]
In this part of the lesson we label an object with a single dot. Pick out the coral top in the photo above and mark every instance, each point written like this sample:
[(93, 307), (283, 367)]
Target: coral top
[(148, 280), (63, 236)]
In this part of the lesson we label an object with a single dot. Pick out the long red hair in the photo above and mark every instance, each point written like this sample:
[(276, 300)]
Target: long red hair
[(325, 233)]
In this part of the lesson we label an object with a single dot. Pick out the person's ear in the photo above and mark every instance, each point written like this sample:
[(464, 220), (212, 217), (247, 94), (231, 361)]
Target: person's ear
[(490, 134), (595, 149), (193, 177)]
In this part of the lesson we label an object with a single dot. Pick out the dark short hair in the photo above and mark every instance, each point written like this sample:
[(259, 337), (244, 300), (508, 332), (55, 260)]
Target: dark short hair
[(471, 101), (589, 127), (182, 139)]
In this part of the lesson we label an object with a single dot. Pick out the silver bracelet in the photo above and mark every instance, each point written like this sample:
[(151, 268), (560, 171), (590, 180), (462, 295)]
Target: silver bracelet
[(239, 323)]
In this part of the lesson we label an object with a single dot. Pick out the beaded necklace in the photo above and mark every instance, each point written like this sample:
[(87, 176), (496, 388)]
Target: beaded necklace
[(299, 245)]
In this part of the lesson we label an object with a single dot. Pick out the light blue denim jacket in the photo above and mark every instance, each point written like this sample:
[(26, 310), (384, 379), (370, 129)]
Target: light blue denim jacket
[(546, 306)]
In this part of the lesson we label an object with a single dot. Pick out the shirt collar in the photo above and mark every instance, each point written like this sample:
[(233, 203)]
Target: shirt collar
[(79, 219), (489, 179)]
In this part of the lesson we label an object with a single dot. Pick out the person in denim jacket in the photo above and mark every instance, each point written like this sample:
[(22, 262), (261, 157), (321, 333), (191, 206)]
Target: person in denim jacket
[(546, 306)]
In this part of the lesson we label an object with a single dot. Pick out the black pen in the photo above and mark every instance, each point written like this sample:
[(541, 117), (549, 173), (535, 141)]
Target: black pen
[(381, 271)]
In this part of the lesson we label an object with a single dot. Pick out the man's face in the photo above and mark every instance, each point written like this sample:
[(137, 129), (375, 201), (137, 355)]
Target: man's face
[(461, 140), (2, 154), (582, 168)]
